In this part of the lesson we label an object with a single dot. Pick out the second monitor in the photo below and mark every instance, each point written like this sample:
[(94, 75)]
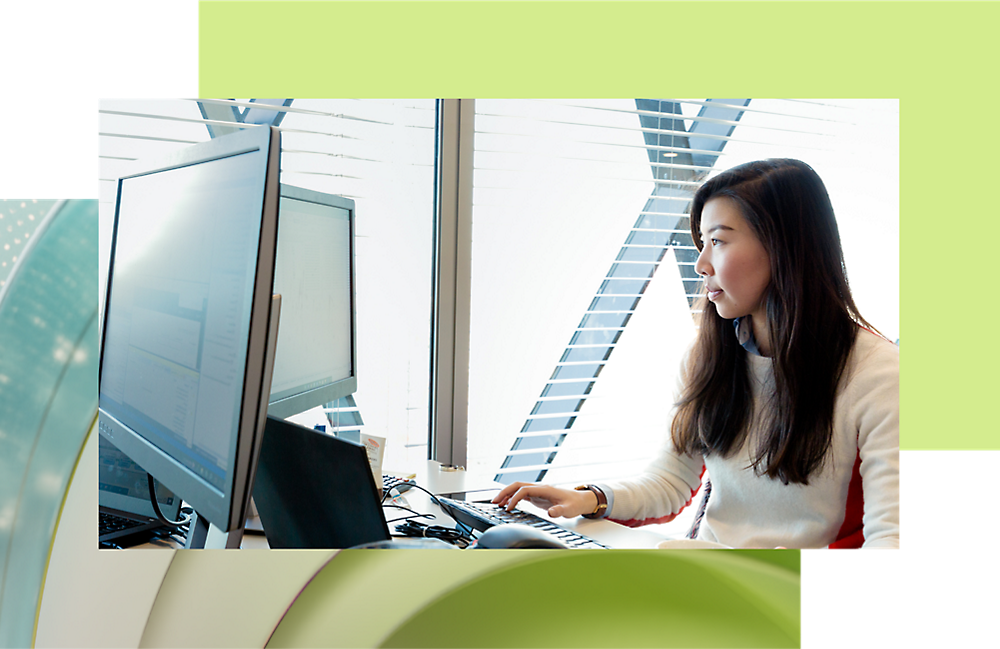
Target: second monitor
[(315, 361)]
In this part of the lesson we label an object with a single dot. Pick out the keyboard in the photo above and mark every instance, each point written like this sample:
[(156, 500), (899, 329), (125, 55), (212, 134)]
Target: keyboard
[(391, 481), (108, 523), (484, 515)]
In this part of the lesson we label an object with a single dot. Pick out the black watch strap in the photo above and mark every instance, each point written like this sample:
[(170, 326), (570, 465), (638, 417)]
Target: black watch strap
[(602, 500)]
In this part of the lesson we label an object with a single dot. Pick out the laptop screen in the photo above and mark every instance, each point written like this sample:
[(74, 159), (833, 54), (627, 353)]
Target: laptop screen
[(315, 491), (122, 485)]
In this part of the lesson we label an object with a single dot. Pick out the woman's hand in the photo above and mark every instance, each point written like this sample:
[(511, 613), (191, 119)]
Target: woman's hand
[(555, 500)]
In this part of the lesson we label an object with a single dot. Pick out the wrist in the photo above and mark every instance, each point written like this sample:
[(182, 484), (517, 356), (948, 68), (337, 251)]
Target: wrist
[(599, 500)]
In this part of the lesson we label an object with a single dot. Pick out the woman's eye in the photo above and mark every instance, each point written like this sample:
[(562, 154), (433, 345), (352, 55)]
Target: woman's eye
[(716, 241)]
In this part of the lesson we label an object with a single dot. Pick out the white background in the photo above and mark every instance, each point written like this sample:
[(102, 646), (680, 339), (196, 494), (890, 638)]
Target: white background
[(59, 58)]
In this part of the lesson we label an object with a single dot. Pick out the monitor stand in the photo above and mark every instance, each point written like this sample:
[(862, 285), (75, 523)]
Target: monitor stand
[(197, 533), (202, 535), (235, 538)]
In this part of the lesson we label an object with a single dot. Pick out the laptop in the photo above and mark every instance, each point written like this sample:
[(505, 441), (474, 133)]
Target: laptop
[(126, 517), (313, 490)]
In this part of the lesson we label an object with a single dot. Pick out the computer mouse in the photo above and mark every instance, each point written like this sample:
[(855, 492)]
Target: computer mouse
[(516, 535)]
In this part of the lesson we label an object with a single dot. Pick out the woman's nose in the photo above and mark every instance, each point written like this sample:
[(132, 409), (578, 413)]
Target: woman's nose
[(701, 265)]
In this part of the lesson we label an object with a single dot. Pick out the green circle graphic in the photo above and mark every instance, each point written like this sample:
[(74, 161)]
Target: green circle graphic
[(535, 598)]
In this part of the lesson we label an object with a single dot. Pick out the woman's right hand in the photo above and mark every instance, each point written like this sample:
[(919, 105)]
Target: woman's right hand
[(557, 501)]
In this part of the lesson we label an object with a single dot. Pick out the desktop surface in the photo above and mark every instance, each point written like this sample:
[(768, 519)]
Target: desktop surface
[(474, 488)]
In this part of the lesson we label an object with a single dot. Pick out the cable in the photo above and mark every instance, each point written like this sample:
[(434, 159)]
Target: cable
[(156, 506), (406, 518), (463, 529), (412, 511), (419, 530), (433, 497), (166, 535)]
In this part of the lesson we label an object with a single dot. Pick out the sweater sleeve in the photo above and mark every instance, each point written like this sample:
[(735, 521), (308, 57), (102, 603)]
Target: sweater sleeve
[(876, 415), (661, 492)]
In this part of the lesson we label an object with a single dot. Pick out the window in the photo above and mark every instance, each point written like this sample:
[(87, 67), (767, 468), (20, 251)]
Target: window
[(583, 277), (379, 153)]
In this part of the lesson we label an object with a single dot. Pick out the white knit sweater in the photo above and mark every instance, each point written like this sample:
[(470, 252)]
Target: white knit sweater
[(750, 511)]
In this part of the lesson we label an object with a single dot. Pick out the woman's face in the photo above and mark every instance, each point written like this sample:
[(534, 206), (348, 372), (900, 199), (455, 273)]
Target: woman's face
[(733, 262)]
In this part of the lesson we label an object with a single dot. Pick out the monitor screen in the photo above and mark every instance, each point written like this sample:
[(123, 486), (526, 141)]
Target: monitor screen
[(314, 274), (186, 317)]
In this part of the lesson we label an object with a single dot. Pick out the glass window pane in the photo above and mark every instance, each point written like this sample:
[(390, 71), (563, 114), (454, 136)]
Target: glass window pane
[(584, 354), (556, 407), (566, 389), (613, 304), (591, 200), (381, 154)]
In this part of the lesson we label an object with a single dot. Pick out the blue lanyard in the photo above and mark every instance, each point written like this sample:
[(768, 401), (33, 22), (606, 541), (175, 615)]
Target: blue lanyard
[(744, 334)]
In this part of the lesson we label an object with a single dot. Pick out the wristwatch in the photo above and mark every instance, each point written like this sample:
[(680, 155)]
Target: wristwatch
[(602, 500)]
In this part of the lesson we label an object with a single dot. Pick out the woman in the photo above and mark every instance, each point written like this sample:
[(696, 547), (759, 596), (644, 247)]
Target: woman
[(788, 398)]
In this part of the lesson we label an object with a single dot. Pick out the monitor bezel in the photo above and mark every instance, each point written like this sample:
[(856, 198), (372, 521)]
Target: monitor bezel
[(226, 510), (309, 399)]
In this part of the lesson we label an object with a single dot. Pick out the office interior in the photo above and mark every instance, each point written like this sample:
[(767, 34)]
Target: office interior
[(527, 257)]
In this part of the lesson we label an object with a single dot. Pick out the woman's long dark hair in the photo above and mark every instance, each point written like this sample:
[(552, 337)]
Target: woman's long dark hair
[(812, 322)]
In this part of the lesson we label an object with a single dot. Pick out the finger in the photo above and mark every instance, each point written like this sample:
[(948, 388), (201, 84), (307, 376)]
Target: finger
[(507, 491), (525, 490), (519, 495)]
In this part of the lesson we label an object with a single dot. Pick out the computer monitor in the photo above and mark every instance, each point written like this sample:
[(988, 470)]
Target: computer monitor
[(314, 274), (183, 376)]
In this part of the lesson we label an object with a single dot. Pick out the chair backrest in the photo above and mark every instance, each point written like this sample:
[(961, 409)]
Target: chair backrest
[(48, 398)]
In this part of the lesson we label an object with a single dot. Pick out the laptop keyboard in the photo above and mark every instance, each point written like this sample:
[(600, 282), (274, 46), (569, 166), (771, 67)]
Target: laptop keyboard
[(108, 523)]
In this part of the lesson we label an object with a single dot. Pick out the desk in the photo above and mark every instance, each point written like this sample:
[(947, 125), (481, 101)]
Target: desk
[(462, 485), (437, 479), (605, 532), (476, 488), (431, 476)]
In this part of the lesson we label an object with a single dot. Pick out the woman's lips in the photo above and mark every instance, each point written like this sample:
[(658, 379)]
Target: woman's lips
[(714, 294)]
